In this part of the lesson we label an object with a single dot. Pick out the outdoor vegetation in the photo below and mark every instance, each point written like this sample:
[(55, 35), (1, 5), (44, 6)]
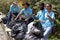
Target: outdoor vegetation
[(5, 4)]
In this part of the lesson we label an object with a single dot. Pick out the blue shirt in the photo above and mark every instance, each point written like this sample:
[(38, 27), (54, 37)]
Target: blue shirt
[(48, 23), (40, 15), (26, 12), (14, 9)]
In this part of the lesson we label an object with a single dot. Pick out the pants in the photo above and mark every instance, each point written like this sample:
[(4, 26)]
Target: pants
[(47, 31), (10, 16), (29, 20)]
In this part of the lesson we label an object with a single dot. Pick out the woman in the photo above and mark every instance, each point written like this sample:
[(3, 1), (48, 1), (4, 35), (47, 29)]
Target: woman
[(49, 21)]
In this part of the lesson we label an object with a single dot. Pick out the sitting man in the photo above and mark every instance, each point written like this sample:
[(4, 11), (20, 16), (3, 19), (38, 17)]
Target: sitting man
[(26, 12), (13, 12)]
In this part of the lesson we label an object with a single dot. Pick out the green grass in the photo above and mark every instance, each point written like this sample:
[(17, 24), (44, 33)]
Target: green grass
[(54, 36)]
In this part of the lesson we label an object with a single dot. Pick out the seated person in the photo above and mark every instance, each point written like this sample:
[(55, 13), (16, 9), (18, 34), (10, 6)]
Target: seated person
[(13, 12), (26, 12), (49, 21)]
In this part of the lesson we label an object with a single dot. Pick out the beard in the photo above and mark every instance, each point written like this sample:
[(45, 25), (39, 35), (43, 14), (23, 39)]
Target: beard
[(41, 8)]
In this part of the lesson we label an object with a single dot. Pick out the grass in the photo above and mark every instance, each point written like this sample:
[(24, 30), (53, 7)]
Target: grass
[(55, 36)]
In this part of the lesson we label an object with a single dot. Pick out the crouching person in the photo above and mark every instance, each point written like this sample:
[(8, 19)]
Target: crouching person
[(26, 12), (13, 12), (35, 31)]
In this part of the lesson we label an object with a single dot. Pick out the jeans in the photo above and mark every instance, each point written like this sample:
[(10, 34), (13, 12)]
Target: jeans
[(29, 20), (46, 33), (10, 16)]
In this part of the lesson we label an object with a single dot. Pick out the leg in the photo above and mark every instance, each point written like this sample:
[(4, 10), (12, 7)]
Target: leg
[(30, 20), (9, 18), (47, 31)]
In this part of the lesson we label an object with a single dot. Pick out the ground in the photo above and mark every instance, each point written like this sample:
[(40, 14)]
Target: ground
[(2, 33)]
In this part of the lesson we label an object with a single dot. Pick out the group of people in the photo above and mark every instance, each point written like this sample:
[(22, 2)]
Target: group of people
[(45, 16)]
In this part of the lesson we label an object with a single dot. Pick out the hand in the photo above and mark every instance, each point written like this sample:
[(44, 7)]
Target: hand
[(15, 18), (48, 16), (36, 20), (26, 19)]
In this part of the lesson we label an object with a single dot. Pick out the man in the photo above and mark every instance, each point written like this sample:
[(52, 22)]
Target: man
[(40, 15), (26, 12), (13, 12)]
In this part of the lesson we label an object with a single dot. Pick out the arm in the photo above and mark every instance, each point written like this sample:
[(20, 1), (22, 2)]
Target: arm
[(13, 15), (38, 16), (11, 11), (31, 14), (18, 8), (51, 18), (19, 15)]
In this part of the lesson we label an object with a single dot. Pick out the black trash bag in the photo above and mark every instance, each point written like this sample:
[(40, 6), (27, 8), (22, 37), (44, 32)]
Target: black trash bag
[(4, 20), (12, 23), (19, 30), (37, 25), (15, 30), (33, 34)]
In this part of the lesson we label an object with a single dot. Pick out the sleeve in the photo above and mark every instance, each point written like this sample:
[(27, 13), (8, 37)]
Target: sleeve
[(18, 8), (37, 16), (30, 12), (22, 11), (11, 8), (53, 16)]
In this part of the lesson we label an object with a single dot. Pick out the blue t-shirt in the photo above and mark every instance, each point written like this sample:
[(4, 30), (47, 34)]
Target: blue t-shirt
[(48, 23), (26, 12), (14, 9), (40, 15)]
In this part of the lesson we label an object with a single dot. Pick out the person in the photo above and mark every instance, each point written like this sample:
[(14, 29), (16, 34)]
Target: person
[(26, 12), (40, 15), (13, 12), (49, 21)]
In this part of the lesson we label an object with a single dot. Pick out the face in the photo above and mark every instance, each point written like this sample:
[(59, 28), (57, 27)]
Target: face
[(41, 7), (48, 7), (15, 4), (25, 6)]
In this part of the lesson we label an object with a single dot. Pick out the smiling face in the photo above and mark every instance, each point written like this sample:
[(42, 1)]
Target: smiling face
[(48, 7)]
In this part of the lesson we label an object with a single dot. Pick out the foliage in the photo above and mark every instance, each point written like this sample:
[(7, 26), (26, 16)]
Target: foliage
[(5, 4), (56, 9), (55, 4)]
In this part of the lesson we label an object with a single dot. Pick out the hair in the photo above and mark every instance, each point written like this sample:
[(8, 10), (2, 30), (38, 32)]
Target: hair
[(42, 4), (26, 3), (49, 4)]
